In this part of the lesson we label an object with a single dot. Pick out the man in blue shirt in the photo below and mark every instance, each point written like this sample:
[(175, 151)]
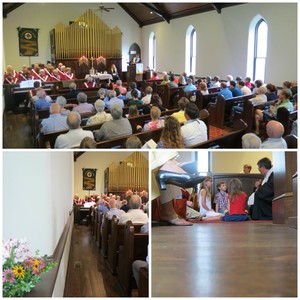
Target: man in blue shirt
[(189, 87), (225, 92), (236, 91), (41, 102), (112, 100)]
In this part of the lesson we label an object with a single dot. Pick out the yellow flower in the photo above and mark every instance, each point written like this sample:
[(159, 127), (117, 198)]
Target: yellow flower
[(19, 271), (35, 265)]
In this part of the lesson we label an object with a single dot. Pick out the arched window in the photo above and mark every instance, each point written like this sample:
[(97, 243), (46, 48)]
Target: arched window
[(152, 51), (257, 48), (190, 50)]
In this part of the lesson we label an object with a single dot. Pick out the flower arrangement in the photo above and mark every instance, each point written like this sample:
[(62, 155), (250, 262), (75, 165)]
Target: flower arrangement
[(21, 271)]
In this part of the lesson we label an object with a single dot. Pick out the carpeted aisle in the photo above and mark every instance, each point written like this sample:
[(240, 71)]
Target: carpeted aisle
[(215, 132)]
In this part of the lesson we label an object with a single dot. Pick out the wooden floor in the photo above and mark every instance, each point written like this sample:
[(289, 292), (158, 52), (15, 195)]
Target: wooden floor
[(87, 274), (224, 260), (17, 132)]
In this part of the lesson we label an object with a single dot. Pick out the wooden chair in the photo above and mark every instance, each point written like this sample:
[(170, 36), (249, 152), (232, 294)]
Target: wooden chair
[(143, 287)]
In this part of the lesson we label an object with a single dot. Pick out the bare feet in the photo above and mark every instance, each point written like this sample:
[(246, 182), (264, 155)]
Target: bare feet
[(178, 222)]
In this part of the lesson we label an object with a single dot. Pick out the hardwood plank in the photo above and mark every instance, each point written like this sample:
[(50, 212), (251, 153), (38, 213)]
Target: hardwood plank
[(224, 260), (88, 275)]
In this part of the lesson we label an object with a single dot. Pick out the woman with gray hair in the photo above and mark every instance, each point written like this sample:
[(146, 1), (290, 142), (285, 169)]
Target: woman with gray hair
[(251, 141), (83, 106), (101, 116), (62, 102)]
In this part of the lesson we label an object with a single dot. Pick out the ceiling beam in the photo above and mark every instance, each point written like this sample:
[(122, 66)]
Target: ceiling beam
[(217, 7), (131, 14), (9, 7), (158, 12)]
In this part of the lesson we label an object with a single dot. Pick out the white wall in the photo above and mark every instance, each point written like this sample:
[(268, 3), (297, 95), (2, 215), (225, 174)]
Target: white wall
[(45, 16), (233, 161), (221, 38), (222, 41), (37, 196), (99, 161)]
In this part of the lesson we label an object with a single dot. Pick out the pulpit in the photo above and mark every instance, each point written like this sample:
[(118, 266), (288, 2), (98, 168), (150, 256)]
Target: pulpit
[(134, 72)]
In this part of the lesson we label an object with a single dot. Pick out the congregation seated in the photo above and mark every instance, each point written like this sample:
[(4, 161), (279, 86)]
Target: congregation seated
[(132, 86), (235, 90), (271, 92), (155, 101), (119, 85), (133, 142), (115, 128), (41, 102), (171, 137), (271, 113), (101, 116), (134, 99), (56, 121), (88, 143), (245, 90), (112, 100), (194, 131), (147, 98), (275, 131), (73, 91), (225, 92), (190, 86), (75, 135), (62, 102), (83, 106), (155, 122), (135, 214), (118, 94), (125, 206), (113, 210), (251, 141), (180, 115)]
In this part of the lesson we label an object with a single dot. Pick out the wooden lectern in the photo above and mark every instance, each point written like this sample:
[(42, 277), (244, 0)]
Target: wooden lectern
[(134, 73)]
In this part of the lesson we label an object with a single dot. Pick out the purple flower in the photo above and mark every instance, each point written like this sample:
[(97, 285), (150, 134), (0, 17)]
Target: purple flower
[(8, 276)]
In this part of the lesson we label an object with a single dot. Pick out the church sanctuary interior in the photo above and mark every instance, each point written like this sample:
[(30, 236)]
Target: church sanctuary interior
[(169, 50), (59, 214), (214, 258)]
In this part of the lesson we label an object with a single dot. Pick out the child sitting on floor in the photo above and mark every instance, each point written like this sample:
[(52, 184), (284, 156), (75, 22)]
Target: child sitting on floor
[(204, 199), (237, 204), (221, 198)]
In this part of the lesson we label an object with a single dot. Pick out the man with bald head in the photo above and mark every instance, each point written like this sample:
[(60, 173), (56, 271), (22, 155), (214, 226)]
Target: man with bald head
[(275, 131), (56, 121), (135, 214), (113, 210), (76, 134)]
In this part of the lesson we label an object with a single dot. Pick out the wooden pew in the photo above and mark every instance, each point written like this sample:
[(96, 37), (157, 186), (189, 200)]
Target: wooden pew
[(115, 240), (106, 230), (47, 140), (134, 248), (169, 94), (286, 118), (99, 241), (222, 107), (120, 142), (142, 119), (201, 100), (249, 109), (143, 287), (232, 140)]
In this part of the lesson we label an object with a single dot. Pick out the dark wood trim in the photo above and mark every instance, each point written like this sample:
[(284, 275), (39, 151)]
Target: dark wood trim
[(46, 287)]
